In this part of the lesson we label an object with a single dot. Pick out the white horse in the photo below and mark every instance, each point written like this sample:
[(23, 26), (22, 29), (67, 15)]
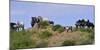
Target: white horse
[(69, 28), (19, 26)]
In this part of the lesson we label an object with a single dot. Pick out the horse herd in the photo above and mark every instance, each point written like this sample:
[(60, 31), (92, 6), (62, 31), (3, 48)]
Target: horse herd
[(84, 23), (35, 20), (17, 26)]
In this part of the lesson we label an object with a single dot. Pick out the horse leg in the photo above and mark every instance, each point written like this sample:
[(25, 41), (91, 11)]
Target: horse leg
[(80, 26), (76, 27), (32, 25), (67, 30), (23, 28), (18, 29), (71, 30), (89, 27)]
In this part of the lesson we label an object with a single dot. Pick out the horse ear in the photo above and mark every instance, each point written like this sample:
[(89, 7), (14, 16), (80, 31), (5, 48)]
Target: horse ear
[(87, 19), (79, 20)]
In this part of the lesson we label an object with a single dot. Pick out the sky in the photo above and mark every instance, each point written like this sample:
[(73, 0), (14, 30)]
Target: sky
[(63, 14)]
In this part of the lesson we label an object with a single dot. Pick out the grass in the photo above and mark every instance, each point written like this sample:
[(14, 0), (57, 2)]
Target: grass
[(21, 40), (68, 43), (58, 28), (43, 24), (86, 30), (42, 43), (45, 34), (34, 38)]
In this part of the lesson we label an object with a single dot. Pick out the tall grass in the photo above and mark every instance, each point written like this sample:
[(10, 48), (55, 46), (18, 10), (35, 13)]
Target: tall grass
[(25, 39), (68, 43), (86, 30), (45, 34), (58, 28), (21, 40)]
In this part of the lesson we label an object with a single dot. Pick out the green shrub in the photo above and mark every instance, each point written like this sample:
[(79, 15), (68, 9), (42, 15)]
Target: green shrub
[(86, 30), (58, 28), (86, 42), (91, 38), (42, 44), (92, 35), (43, 24), (68, 43), (21, 40), (45, 34), (55, 27)]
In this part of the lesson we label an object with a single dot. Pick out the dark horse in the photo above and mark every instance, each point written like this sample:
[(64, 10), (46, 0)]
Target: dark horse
[(35, 20), (80, 23), (16, 26), (38, 19), (89, 24), (12, 25)]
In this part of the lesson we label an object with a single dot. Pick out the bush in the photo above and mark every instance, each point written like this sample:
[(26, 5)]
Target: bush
[(42, 44), (86, 30), (86, 42), (68, 43), (45, 34), (90, 39), (43, 24), (21, 40), (58, 28)]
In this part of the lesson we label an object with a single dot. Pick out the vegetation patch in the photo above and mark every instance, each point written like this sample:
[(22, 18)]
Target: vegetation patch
[(86, 30), (30, 38), (42, 43), (43, 24), (21, 40), (58, 28), (68, 43), (45, 34)]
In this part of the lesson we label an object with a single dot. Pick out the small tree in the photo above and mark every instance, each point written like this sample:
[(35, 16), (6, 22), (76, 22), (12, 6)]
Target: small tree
[(45, 34), (55, 27), (58, 28), (43, 24)]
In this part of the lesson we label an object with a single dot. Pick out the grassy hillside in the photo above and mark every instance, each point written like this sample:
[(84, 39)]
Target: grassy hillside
[(50, 36)]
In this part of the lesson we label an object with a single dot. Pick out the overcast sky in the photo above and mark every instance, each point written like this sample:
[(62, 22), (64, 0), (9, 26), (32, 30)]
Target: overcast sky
[(63, 14)]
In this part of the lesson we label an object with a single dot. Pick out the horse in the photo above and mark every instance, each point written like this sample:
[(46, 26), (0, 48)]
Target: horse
[(80, 23), (90, 25), (68, 28), (12, 25), (83, 23), (35, 20), (17, 26), (51, 22)]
